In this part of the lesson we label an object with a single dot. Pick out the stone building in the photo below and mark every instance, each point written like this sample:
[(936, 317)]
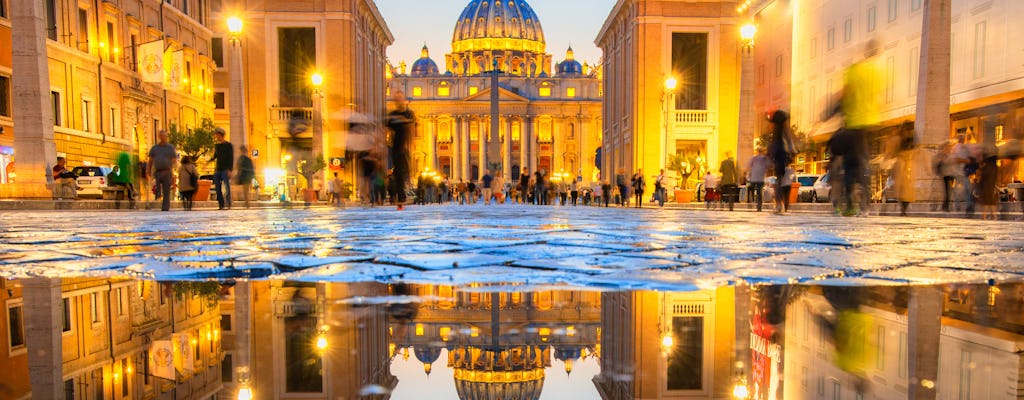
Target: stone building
[(107, 329), (549, 117), (97, 102), (648, 44)]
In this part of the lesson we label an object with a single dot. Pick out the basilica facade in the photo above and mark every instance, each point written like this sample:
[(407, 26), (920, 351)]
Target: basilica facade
[(548, 117)]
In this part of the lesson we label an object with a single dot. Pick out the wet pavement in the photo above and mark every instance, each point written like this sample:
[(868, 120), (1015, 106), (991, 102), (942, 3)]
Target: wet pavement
[(590, 247)]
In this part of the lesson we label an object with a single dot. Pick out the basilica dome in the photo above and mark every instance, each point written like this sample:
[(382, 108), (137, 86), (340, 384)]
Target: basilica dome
[(424, 66), (570, 66), (506, 32)]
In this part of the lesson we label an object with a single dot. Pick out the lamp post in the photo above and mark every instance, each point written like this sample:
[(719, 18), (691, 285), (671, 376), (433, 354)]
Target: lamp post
[(745, 140), (239, 135), (668, 99), (318, 122)]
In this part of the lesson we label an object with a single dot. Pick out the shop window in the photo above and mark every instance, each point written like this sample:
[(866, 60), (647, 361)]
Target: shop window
[(15, 326)]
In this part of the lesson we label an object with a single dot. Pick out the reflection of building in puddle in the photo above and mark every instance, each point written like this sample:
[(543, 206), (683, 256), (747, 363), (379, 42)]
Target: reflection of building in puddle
[(499, 344), (117, 338), (661, 345), (979, 345), (307, 342)]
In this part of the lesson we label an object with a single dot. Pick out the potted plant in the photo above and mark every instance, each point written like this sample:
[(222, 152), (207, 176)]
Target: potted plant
[(196, 143), (309, 167), (685, 166)]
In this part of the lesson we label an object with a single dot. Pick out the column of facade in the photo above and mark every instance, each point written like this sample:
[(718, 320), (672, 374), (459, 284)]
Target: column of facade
[(456, 149), (466, 147), (482, 150), (524, 143), (506, 158), (583, 161), (534, 152), (431, 161)]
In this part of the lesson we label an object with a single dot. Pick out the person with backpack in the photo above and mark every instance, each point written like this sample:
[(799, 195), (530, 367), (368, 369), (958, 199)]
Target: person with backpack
[(188, 182), (162, 157)]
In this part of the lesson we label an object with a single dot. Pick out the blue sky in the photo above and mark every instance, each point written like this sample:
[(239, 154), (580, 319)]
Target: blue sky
[(565, 22)]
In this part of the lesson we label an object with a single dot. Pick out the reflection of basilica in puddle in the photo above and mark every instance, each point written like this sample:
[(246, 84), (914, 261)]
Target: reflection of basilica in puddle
[(121, 339)]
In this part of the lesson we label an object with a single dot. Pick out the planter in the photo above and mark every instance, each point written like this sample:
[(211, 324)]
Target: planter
[(794, 193), (309, 196), (203, 191), (684, 195)]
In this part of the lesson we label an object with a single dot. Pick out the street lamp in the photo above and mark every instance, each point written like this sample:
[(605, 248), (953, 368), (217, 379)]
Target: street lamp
[(317, 80), (667, 98), (745, 149), (239, 137)]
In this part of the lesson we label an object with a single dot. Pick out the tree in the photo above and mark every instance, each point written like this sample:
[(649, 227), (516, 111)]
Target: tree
[(196, 143), (309, 166), (683, 165)]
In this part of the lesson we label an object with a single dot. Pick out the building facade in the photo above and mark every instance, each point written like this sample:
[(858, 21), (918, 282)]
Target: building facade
[(548, 118), (287, 118), (649, 125), (99, 103), (107, 332)]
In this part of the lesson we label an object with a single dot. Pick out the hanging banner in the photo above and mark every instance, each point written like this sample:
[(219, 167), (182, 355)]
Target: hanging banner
[(161, 359), (174, 67), (151, 61)]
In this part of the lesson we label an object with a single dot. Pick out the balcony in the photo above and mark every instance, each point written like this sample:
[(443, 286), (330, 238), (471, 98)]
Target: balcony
[(693, 118)]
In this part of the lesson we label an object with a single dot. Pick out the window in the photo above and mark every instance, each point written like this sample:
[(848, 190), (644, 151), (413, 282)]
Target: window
[(184, 7), (473, 90), (903, 355), (894, 9), (570, 92), (831, 40), (685, 359), (690, 64), (121, 306), (979, 49), (86, 115), (872, 18), (225, 322), (15, 326), (915, 5), (201, 11), (964, 385), (188, 77), (5, 95), (94, 308), (778, 65), (97, 384), (890, 79), (880, 346), (848, 30), (115, 124), (814, 48), (417, 91), (3, 9), (296, 57), (124, 377), (69, 389), (112, 49), (217, 51), (226, 368), (444, 91), (51, 19), (218, 100), (57, 109), (544, 92), (83, 30), (66, 315), (135, 52), (915, 62)]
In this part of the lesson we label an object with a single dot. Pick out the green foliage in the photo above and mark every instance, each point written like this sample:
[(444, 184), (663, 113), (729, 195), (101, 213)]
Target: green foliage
[(309, 166), (204, 290), (346, 190), (197, 143)]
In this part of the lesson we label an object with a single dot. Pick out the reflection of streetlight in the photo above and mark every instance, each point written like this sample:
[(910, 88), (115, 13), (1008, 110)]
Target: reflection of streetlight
[(244, 393), (670, 89)]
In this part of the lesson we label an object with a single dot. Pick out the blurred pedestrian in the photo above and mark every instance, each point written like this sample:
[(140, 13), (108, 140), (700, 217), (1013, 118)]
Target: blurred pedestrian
[(402, 123), (783, 189), (606, 192), (540, 194), (639, 183), (486, 188), (860, 106), (162, 157), (711, 195), (728, 185), (903, 168), (756, 171), (988, 172), (188, 182), (224, 155), (246, 172), (969, 160), (781, 150), (659, 188), (946, 168), (574, 191), (336, 186), (125, 177), (620, 183)]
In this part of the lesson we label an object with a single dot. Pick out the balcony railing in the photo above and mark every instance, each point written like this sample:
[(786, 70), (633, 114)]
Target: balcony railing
[(693, 117), (290, 114)]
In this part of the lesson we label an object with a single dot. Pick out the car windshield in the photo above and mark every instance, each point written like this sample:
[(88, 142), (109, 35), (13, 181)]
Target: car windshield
[(88, 171), (806, 180)]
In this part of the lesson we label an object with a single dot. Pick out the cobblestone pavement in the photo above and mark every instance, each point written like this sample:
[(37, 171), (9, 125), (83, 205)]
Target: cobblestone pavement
[(586, 246)]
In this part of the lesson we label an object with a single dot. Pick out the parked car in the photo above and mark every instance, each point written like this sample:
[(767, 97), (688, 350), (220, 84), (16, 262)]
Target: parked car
[(806, 193), (822, 189), (92, 180)]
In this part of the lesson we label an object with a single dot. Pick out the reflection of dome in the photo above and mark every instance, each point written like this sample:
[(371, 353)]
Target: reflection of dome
[(515, 372), (512, 19), (424, 66), (570, 66)]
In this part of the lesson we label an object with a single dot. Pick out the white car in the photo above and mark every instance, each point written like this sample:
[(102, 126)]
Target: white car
[(822, 189), (91, 179), (807, 192)]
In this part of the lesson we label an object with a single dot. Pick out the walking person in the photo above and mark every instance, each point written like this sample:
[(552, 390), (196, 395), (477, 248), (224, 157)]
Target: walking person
[(659, 188), (540, 194), (224, 155), (860, 106), (948, 169), (711, 193), (336, 185), (162, 158), (402, 123), (969, 162), (728, 185), (188, 182), (246, 172), (781, 150), (620, 182), (487, 190), (574, 191), (524, 186), (756, 174), (783, 189), (125, 177), (639, 183), (606, 192)]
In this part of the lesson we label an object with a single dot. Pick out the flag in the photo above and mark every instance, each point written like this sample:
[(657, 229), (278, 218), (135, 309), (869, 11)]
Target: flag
[(161, 359), (183, 352), (151, 61), (174, 69)]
